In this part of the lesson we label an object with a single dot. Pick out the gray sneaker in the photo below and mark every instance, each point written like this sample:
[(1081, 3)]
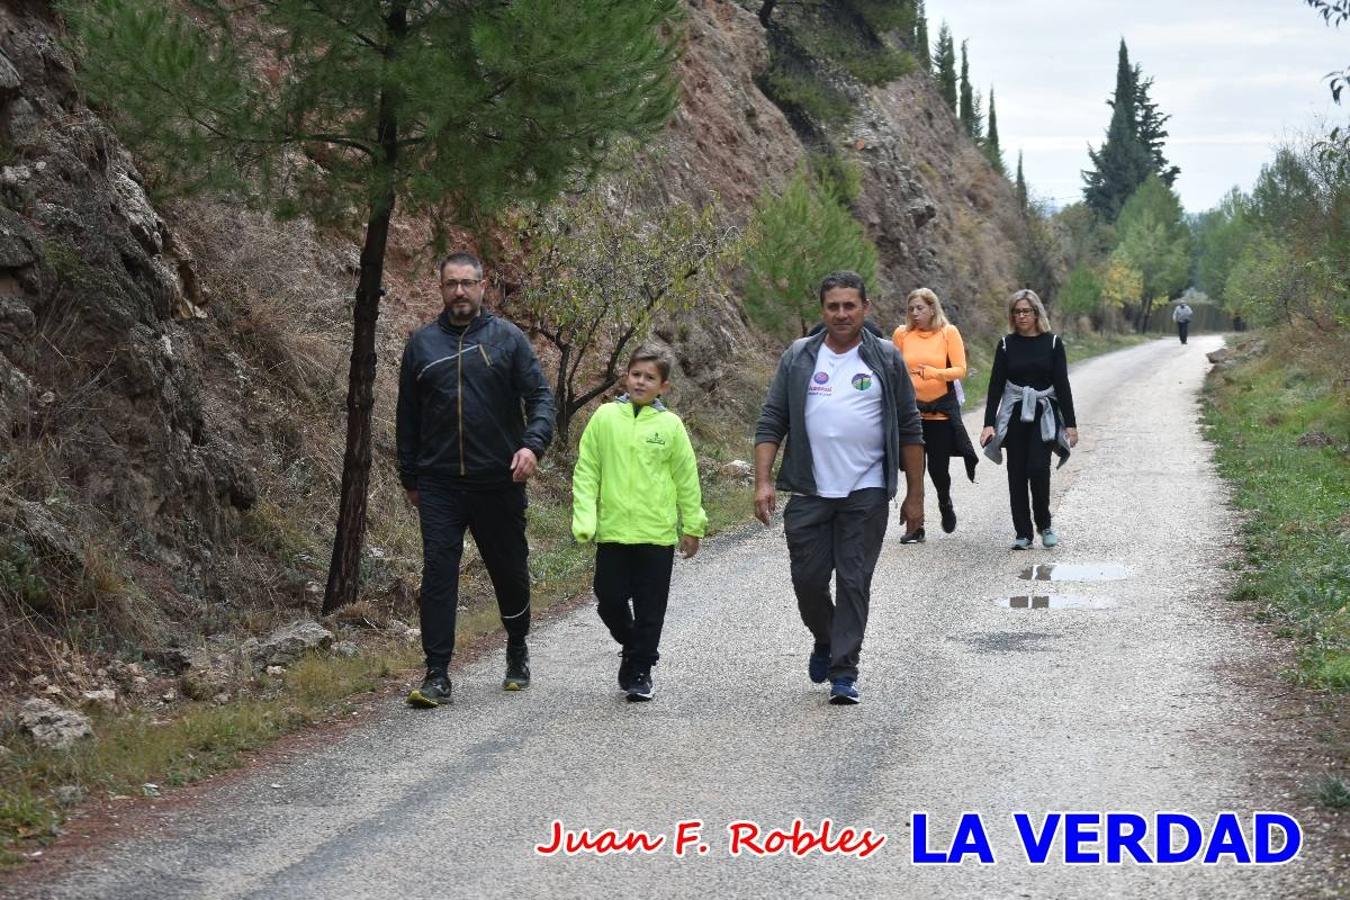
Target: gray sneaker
[(1022, 544), (1049, 538)]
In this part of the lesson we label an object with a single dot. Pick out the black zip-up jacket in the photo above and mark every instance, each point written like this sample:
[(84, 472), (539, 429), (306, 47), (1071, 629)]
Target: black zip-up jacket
[(460, 402)]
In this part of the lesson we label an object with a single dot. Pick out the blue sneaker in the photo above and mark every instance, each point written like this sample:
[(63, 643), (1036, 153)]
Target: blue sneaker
[(1049, 538), (843, 693), (818, 665), (1022, 544)]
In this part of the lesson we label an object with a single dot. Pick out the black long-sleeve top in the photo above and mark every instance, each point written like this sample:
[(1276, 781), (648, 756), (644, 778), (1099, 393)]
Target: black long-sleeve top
[(1036, 362)]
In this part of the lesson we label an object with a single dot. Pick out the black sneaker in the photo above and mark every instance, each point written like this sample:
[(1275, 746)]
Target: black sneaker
[(434, 692), (948, 516), (818, 664), (640, 687), (625, 672), (914, 537), (517, 668)]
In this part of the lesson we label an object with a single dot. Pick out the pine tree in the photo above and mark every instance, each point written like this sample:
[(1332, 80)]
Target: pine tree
[(968, 114), (922, 51), (1124, 161), (991, 148), (363, 106), (944, 65), (1021, 185)]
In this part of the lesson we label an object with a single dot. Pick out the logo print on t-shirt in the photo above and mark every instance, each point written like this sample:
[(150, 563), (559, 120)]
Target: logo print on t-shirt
[(862, 381), (820, 377)]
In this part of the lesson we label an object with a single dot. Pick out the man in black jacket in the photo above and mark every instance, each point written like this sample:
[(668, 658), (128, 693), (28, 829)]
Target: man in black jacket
[(464, 455)]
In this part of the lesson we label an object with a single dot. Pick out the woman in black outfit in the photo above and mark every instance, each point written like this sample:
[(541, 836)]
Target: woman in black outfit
[(1029, 413)]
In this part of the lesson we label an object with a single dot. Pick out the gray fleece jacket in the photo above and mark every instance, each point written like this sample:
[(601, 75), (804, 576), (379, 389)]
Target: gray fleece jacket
[(784, 412)]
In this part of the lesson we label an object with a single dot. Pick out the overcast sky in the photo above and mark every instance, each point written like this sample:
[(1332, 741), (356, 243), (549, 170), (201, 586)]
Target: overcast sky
[(1237, 77)]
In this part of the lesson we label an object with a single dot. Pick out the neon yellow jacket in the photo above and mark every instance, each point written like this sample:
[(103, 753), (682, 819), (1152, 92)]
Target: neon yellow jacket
[(635, 476)]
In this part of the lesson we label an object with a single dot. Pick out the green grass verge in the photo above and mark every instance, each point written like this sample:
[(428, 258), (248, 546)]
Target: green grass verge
[(1295, 493)]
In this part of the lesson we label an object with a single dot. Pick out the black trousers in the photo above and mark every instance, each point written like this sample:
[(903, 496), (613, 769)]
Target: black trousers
[(840, 537), (636, 574), (1182, 328), (937, 450), (1028, 470), (496, 519)]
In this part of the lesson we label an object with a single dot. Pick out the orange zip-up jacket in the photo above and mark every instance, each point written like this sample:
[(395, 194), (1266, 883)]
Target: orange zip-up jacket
[(933, 359)]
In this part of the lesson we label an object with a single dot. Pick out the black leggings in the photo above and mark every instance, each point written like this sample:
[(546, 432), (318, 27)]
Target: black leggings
[(1028, 467), (937, 449)]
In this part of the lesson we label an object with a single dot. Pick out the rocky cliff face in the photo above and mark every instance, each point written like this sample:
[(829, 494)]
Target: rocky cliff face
[(159, 411)]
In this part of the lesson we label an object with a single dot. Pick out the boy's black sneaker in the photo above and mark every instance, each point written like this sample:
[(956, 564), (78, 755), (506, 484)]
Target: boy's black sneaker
[(434, 692), (640, 687), (517, 668), (626, 669)]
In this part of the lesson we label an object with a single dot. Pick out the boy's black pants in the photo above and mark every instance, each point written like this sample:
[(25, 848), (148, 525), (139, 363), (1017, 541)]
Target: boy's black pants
[(640, 574), (496, 519)]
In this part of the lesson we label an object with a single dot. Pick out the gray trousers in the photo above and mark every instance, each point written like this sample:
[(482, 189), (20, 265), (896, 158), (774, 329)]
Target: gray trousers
[(840, 537)]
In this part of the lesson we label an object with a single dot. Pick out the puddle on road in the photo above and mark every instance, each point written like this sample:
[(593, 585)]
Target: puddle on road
[(1054, 601), (1075, 572)]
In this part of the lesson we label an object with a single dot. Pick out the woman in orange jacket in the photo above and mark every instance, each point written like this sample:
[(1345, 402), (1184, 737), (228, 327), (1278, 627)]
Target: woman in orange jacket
[(935, 356)]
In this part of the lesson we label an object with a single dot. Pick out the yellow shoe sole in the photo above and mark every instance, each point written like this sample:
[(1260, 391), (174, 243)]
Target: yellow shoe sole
[(422, 701)]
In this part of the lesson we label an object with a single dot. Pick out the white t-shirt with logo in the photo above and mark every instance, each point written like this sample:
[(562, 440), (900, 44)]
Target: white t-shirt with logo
[(843, 423)]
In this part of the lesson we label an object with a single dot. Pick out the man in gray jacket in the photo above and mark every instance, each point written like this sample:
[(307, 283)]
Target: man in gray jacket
[(845, 404)]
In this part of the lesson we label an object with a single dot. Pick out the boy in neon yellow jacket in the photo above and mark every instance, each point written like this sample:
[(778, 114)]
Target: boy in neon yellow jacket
[(635, 492)]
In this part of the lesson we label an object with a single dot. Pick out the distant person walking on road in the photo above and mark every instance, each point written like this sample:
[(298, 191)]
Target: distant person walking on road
[(635, 492), (1029, 412), (465, 452), (935, 357), (845, 405), (1182, 315)]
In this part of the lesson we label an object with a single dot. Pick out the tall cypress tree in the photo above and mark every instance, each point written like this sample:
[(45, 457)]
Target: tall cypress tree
[(944, 64), (1151, 132), (922, 52), (967, 113), (1124, 161), (991, 147), (1021, 184)]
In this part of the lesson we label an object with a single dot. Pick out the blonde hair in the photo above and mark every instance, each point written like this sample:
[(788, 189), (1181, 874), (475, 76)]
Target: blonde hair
[(1042, 317), (927, 296)]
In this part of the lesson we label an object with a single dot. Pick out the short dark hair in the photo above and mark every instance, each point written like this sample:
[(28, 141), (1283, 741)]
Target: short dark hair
[(843, 279), (647, 353), (461, 258)]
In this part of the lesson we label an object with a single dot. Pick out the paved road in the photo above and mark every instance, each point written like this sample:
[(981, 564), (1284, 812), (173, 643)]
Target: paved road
[(1125, 702)]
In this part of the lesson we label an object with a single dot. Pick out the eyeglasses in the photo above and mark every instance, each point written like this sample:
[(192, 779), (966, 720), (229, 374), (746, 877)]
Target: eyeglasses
[(1024, 312), (466, 283)]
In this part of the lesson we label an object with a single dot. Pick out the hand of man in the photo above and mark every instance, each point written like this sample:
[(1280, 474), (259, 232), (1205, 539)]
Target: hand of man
[(688, 546), (911, 512), (413, 496), (987, 435), (765, 500), (523, 464), (1072, 434)]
